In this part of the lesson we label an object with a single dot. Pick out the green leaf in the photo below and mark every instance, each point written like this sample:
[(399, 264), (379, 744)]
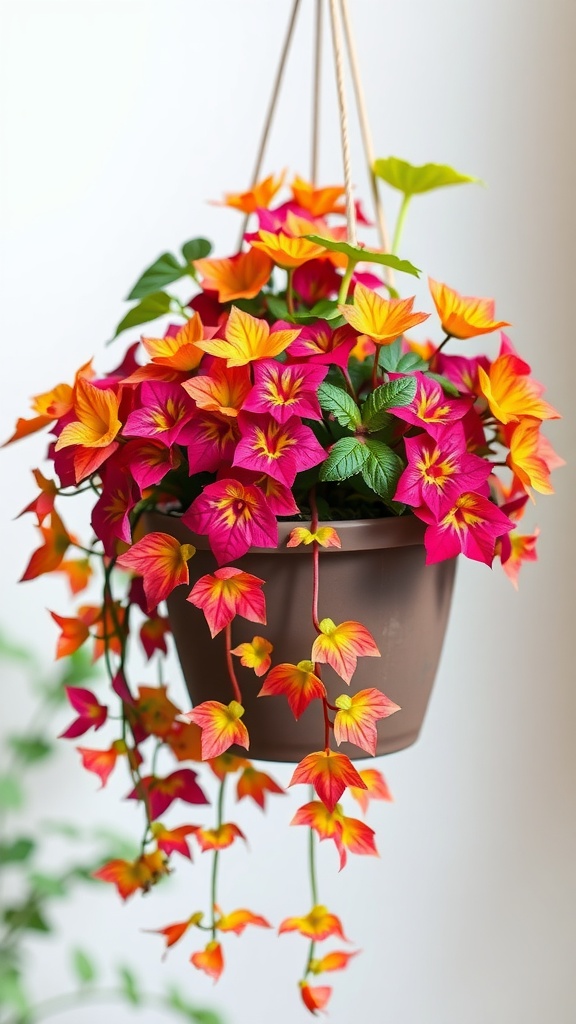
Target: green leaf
[(387, 396), (13, 652), (339, 402), (165, 270), (26, 918), (325, 309), (16, 851), (346, 459), (47, 886), (413, 180), (196, 249), (176, 1001), (30, 748), (12, 991), (357, 254), (11, 793), (445, 384), (411, 361), (382, 469), (390, 356), (277, 307), (130, 986), (83, 966), (149, 309)]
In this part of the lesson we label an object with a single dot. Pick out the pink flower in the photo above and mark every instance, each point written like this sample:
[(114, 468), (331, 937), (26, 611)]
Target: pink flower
[(235, 516), (472, 525), (285, 390), (281, 450), (440, 469)]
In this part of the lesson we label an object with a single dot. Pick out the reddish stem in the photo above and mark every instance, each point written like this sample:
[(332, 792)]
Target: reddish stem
[(315, 561), (230, 664), (327, 724)]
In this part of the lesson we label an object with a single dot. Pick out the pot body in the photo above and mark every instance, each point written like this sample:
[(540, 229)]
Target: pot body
[(378, 578)]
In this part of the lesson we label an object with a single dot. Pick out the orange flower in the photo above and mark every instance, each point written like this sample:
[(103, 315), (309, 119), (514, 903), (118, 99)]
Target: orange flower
[(240, 277), (463, 316), (329, 773), (255, 654), (48, 557), (319, 924), (221, 726), (179, 352), (525, 458), (128, 876), (511, 393), (258, 197), (74, 633), (287, 252), (237, 920), (341, 646), (318, 201), (247, 339), (383, 320), (210, 960)]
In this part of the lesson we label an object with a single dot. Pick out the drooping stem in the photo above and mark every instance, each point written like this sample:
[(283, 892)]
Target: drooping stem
[(345, 283), (327, 722), (71, 1000), (290, 291), (313, 889), (375, 368), (442, 344), (216, 857), (315, 560), (230, 664), (400, 224)]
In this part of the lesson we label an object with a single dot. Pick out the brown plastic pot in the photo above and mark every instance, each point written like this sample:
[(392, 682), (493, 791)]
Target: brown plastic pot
[(378, 578)]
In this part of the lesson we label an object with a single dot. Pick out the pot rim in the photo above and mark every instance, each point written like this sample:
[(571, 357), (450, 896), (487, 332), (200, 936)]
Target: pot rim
[(355, 534)]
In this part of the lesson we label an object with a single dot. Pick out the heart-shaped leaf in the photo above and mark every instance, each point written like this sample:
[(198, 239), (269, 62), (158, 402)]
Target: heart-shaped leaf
[(413, 180)]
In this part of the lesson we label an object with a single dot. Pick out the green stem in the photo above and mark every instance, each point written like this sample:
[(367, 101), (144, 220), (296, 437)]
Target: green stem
[(442, 343), (215, 861), (343, 293), (313, 892), (290, 291), (400, 224)]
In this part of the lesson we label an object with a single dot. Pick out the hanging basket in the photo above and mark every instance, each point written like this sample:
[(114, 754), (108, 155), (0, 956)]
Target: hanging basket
[(379, 573)]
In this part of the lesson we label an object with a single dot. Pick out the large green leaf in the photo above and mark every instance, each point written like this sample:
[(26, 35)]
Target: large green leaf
[(149, 309), (11, 793), (83, 966), (412, 180), (29, 749), (381, 469), (196, 249), (26, 918), (357, 254), (340, 404), (162, 272), (17, 850), (130, 986), (346, 459), (388, 396), (12, 993)]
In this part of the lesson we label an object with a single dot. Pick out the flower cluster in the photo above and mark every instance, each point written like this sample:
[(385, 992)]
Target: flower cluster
[(286, 387)]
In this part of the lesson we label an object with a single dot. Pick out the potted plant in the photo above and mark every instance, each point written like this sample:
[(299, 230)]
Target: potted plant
[(283, 413)]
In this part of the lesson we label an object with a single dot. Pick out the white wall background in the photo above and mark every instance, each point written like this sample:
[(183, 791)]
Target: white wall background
[(119, 119)]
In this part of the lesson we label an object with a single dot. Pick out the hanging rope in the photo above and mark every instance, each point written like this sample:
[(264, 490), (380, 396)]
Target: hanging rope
[(316, 95), (365, 130), (272, 105), (339, 66)]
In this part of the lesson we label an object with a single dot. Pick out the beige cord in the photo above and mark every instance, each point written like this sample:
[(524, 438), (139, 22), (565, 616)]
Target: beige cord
[(339, 66), (316, 94), (272, 107), (366, 133)]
